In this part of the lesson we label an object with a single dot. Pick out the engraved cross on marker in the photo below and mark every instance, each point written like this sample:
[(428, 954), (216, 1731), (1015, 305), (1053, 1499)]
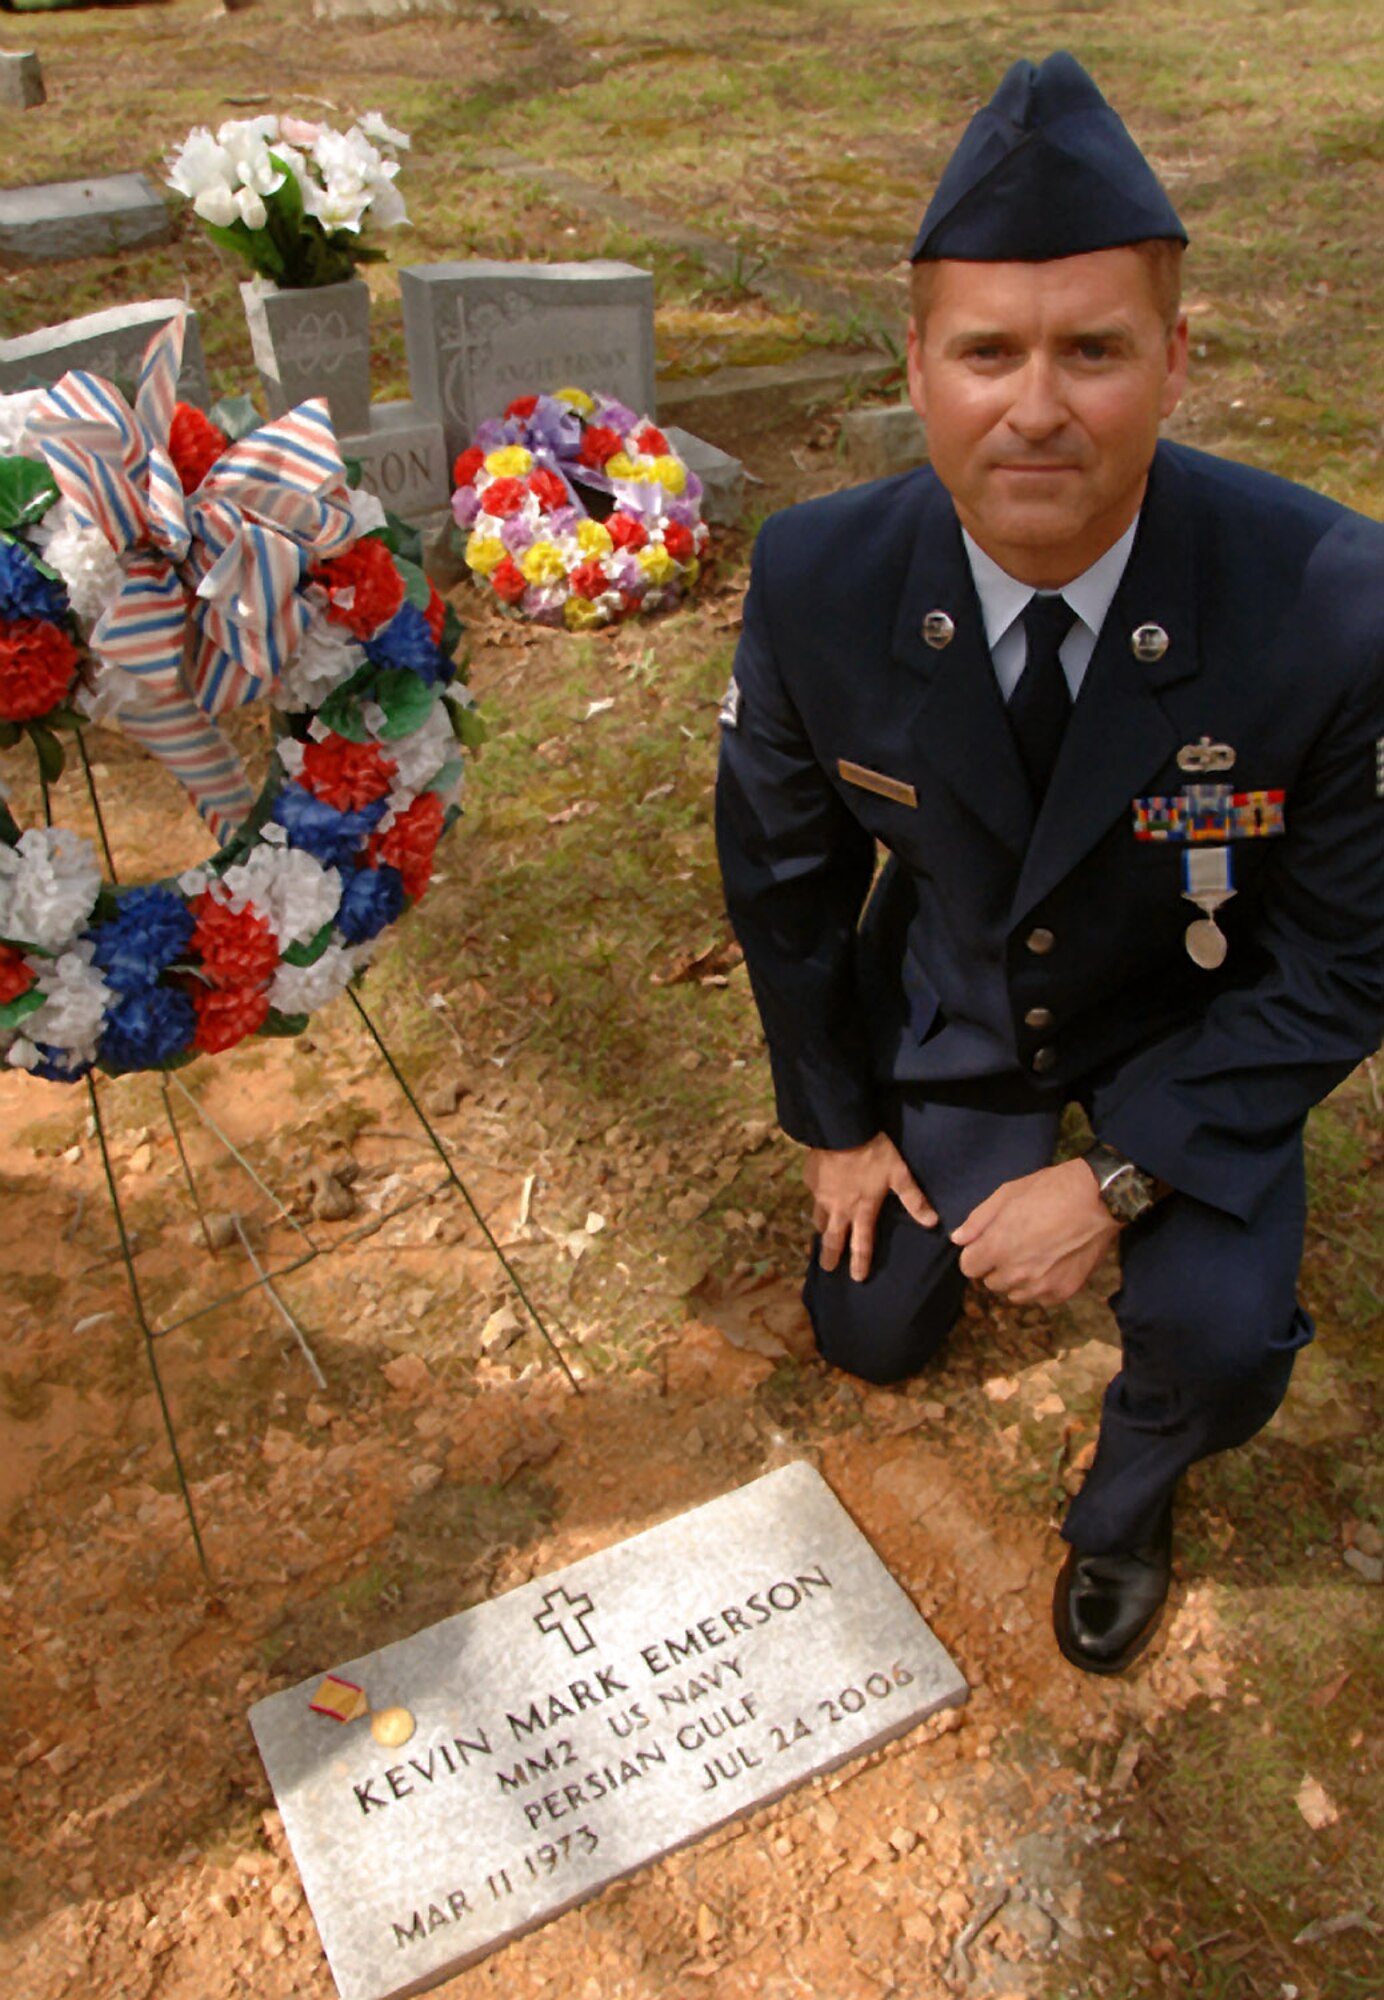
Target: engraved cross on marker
[(551, 1619)]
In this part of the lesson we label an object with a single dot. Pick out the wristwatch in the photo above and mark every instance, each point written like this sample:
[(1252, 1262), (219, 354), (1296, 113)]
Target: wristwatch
[(1127, 1191)]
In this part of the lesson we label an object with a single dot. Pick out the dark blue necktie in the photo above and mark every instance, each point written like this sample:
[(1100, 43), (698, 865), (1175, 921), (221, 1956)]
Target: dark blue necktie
[(1042, 702)]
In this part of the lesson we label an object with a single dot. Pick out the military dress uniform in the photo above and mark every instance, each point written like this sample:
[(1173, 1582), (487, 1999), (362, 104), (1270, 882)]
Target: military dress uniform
[(1007, 962)]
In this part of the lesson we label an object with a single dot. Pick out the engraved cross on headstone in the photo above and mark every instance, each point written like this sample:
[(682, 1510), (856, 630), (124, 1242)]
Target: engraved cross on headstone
[(551, 1619)]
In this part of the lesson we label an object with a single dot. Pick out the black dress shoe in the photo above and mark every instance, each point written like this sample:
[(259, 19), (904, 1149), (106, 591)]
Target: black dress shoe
[(1105, 1609)]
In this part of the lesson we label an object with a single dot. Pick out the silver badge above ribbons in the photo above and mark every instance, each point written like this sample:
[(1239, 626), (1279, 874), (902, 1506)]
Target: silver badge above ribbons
[(1148, 642), (938, 630), (1205, 756)]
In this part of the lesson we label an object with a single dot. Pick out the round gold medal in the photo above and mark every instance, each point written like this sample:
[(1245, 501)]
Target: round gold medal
[(391, 1726), (1206, 944)]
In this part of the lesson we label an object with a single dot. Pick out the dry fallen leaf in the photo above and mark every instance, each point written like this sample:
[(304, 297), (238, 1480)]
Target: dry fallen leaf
[(1315, 1804)]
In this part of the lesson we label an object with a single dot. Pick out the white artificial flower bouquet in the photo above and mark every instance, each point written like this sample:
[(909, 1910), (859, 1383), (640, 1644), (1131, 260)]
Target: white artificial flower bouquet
[(293, 197)]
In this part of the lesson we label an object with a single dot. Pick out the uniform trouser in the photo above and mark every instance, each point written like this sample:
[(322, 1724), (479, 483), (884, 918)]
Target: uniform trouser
[(1207, 1308)]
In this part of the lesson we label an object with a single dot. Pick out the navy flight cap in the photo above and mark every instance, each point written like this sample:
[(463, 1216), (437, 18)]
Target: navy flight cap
[(1046, 170)]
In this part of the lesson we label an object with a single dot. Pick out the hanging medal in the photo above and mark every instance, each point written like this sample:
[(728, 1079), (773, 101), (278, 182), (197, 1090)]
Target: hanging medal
[(1206, 871)]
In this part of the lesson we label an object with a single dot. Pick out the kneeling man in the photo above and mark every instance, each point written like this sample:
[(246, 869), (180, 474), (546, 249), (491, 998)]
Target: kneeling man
[(1115, 709)]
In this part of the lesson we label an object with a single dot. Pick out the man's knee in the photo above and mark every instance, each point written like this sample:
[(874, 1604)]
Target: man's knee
[(1219, 1321), (887, 1326)]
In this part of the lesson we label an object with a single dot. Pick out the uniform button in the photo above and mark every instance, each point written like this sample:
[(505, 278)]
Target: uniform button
[(1039, 1017), (1040, 941), (1043, 1060)]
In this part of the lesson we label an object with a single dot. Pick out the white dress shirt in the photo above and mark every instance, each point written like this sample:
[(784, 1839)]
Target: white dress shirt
[(1003, 600)]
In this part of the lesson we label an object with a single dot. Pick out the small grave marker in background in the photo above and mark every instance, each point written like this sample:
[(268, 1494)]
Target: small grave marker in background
[(109, 343), (522, 1755), (61, 219), (21, 80), (403, 461)]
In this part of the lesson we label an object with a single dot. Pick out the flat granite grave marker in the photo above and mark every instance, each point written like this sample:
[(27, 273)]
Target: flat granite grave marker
[(109, 343), (59, 219), (587, 1723), (21, 80), (479, 334)]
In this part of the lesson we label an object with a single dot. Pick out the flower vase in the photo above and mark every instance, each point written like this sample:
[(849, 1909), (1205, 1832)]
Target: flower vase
[(313, 342)]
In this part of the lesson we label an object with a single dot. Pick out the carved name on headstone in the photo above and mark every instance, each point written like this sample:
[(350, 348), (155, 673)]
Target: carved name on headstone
[(583, 1725), (480, 334), (403, 460)]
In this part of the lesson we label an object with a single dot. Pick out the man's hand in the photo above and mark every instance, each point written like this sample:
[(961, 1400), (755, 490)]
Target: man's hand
[(1037, 1240), (848, 1191)]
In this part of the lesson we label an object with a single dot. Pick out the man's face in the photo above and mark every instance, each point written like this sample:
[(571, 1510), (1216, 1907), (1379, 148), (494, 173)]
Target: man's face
[(1042, 387)]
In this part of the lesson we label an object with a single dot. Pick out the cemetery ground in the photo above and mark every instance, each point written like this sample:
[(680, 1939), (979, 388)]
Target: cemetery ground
[(571, 1010)]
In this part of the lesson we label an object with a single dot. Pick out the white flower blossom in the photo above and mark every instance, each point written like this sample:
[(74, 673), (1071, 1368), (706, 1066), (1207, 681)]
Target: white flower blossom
[(49, 883), (374, 127), (291, 890), (251, 208), (217, 205), (420, 756), (84, 559), (290, 753), (74, 1008), (327, 656), (302, 989), (14, 415), (367, 512), (201, 162)]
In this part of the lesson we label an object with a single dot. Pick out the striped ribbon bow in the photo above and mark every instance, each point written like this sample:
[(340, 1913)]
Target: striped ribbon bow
[(209, 611)]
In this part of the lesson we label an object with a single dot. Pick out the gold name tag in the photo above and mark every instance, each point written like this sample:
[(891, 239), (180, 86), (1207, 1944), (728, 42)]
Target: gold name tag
[(876, 781)]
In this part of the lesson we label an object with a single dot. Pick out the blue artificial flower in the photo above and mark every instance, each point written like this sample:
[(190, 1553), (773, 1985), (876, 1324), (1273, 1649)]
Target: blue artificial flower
[(146, 1029), (374, 897), (58, 1065), (149, 931), (331, 836), (407, 641), (25, 592)]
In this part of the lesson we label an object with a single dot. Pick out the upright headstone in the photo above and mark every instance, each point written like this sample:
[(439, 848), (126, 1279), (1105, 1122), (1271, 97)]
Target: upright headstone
[(109, 343), (522, 1755), (722, 477), (883, 438), (21, 80), (403, 460), (479, 334), (59, 219)]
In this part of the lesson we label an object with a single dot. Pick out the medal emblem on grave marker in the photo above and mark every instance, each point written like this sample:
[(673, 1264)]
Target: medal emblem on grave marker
[(567, 1615)]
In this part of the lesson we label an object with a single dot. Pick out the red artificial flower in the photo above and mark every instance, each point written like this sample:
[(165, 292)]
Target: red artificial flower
[(652, 440), (375, 587), (225, 1018), (547, 488), (435, 613), (468, 465), (598, 443), (194, 445), (37, 665), (626, 532), (522, 408), (678, 540), (346, 775), (408, 845), (589, 579), (508, 581), (237, 947), (504, 497), (630, 602), (15, 976)]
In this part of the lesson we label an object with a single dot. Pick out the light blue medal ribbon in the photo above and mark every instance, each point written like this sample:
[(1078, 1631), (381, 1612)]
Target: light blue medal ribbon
[(1206, 873)]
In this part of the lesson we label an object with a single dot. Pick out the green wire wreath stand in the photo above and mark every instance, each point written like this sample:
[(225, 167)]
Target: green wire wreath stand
[(264, 1280)]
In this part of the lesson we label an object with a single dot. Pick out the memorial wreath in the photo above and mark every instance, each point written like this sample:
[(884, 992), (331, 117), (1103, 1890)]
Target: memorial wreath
[(157, 570), (578, 513)]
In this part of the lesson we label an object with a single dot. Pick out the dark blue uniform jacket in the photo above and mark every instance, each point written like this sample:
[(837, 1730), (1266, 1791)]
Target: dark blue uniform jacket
[(995, 945)]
